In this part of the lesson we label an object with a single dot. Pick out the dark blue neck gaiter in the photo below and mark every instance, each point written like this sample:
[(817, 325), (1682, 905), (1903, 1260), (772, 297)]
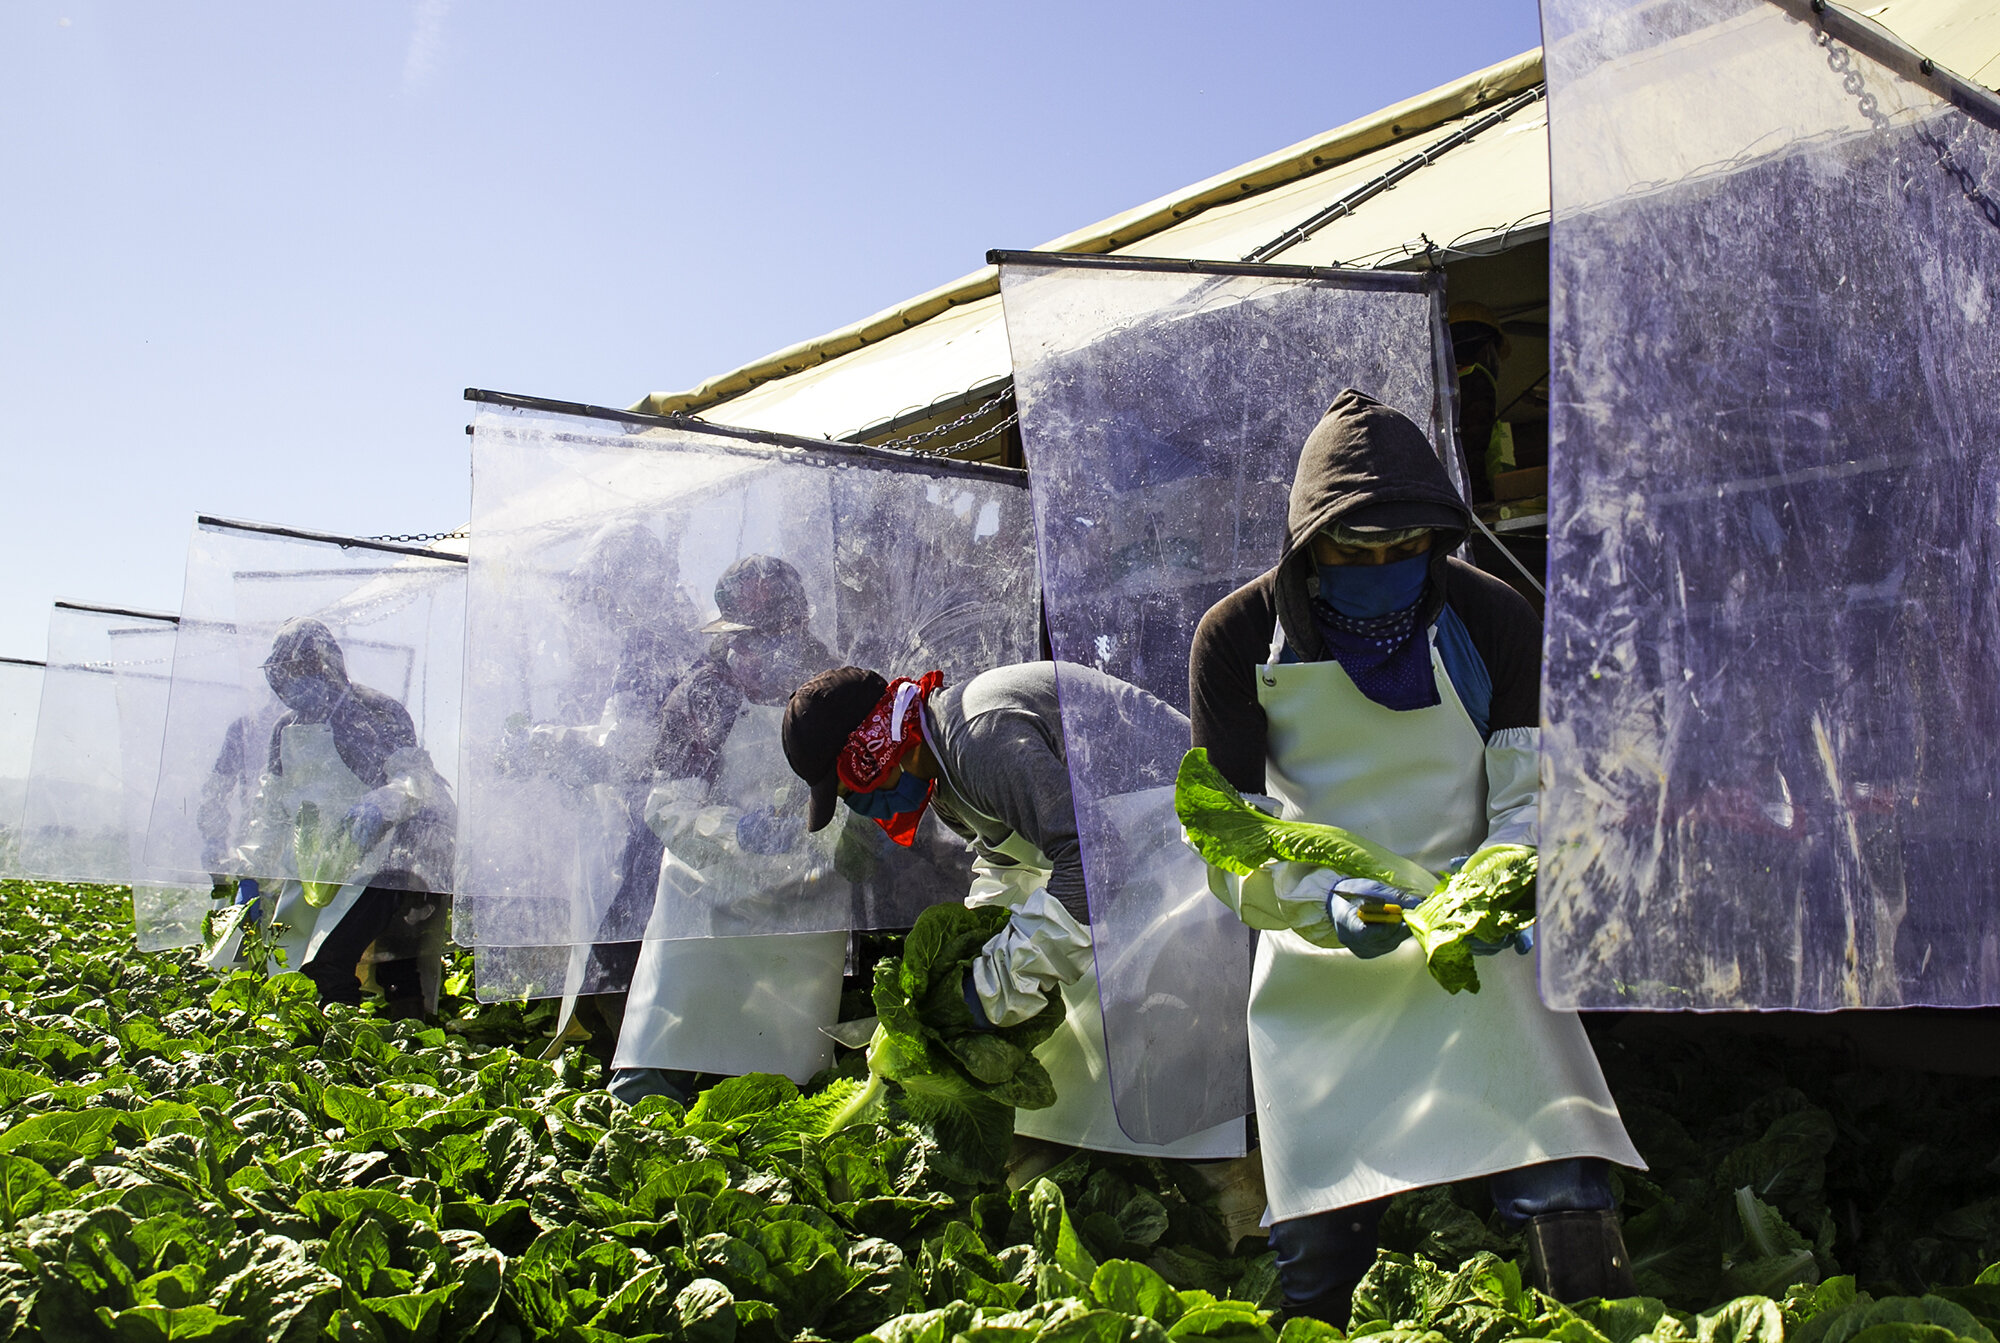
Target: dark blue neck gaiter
[(1367, 616)]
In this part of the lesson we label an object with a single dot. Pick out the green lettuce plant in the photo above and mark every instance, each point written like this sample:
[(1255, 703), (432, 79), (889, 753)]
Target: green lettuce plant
[(937, 1065), (326, 855), (1489, 898)]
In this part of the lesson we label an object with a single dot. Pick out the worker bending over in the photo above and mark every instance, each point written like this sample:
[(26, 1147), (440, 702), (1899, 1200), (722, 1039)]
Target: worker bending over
[(987, 759)]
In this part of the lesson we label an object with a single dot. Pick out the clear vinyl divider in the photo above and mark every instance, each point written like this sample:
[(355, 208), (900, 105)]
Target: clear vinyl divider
[(73, 825), (20, 706), (1774, 570), (311, 731), (644, 597), (1163, 407), (165, 913)]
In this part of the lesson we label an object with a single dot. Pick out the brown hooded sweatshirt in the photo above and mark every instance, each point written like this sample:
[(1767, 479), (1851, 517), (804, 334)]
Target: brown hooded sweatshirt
[(1360, 456)]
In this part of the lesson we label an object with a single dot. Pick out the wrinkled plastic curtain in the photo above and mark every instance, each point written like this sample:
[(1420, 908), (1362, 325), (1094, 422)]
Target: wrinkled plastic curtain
[(20, 705), (1773, 680), (165, 914), (226, 804), (609, 736), (1162, 414), (73, 822)]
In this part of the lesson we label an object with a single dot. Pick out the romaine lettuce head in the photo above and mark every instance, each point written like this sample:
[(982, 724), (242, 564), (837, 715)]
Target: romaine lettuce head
[(1231, 834), (1488, 900)]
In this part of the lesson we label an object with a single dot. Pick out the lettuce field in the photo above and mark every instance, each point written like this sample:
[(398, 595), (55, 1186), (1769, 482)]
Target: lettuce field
[(188, 1155)]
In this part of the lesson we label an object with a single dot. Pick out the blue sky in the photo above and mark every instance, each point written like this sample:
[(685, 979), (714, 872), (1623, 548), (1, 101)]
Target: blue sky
[(252, 253)]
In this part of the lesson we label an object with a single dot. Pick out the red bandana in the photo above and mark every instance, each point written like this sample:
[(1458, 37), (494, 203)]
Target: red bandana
[(879, 743)]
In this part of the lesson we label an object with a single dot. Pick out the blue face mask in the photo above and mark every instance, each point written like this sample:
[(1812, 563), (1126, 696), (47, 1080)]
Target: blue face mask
[(883, 803), (1365, 591)]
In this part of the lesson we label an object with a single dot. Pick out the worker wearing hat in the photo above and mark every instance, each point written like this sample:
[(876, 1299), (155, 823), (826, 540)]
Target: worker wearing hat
[(1373, 682), (726, 820), (986, 758)]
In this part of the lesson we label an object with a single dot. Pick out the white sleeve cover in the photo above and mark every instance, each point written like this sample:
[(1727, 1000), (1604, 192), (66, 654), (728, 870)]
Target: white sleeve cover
[(1009, 885), (1513, 786), (1040, 948)]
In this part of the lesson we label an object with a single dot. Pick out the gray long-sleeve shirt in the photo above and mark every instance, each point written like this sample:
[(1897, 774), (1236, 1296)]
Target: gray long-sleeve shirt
[(999, 741)]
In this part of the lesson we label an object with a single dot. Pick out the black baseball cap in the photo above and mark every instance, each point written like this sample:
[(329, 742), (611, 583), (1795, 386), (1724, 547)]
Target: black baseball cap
[(759, 592), (821, 716)]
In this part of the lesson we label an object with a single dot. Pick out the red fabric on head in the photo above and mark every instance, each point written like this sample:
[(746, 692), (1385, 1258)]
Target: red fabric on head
[(877, 746)]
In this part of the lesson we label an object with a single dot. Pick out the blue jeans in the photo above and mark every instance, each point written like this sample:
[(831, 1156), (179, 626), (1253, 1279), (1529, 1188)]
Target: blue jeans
[(1322, 1257)]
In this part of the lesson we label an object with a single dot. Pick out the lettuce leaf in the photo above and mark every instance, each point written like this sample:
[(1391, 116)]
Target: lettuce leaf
[(1234, 836), (326, 855), (931, 1063), (1488, 899)]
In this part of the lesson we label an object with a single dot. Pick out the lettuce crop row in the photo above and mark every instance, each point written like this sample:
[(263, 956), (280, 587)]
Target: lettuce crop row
[(200, 1156)]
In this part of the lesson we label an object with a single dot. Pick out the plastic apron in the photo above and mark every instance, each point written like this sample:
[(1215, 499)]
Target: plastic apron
[(734, 1004), (1075, 1055), (312, 771), (1369, 1078)]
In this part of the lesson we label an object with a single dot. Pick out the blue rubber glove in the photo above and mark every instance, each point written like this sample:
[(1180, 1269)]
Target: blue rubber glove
[(1363, 937), (366, 824), (765, 831), (1523, 942)]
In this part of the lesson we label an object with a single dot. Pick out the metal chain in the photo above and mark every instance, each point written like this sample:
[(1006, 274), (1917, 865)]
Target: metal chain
[(1959, 173), (458, 535), (985, 435), (910, 442), (1841, 61)]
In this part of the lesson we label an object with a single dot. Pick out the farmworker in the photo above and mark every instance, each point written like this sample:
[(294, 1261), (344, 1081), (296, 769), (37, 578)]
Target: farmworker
[(987, 758), (630, 633), (1375, 683), (732, 1004), (1479, 345), (349, 799)]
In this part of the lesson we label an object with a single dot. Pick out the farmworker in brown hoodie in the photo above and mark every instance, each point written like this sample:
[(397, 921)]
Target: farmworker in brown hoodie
[(347, 758), (987, 759), (1373, 682)]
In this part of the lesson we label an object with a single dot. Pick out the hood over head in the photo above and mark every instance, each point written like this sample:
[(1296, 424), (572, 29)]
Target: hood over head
[(306, 669), (1366, 466)]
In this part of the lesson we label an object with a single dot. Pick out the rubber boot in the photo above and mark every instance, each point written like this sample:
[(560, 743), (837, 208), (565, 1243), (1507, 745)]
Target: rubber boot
[(1574, 1256), (402, 986), (632, 1085)]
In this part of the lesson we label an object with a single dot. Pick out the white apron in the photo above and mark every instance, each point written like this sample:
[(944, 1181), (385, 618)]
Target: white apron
[(311, 771), (1075, 1055), (735, 1004), (1370, 1079)]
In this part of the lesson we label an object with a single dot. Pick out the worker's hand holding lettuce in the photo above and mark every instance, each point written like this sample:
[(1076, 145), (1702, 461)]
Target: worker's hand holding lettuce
[(933, 1063), (1487, 901)]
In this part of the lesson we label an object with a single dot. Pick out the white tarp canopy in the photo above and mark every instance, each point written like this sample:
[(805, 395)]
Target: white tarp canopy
[(1478, 196)]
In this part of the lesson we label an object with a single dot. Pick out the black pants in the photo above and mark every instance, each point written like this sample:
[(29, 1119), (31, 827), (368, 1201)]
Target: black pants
[(334, 968)]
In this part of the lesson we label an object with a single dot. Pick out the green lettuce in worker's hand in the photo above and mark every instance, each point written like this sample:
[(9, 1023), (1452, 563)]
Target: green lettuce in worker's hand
[(1488, 899), (326, 855), (1234, 836), (933, 1064)]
